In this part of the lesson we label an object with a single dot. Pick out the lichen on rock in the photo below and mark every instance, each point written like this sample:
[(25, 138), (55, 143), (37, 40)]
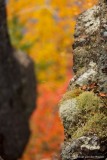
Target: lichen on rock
[(80, 114), (83, 108)]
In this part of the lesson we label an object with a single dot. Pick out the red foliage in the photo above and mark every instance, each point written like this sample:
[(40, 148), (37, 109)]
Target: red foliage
[(47, 130)]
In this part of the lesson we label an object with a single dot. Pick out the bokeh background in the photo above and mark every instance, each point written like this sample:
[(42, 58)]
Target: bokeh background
[(44, 29)]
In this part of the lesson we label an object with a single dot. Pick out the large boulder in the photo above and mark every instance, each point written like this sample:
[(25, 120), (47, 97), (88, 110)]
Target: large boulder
[(83, 108), (17, 94)]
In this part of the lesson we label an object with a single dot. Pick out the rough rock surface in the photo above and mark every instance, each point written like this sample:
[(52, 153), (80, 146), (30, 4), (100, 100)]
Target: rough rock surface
[(83, 109), (17, 95)]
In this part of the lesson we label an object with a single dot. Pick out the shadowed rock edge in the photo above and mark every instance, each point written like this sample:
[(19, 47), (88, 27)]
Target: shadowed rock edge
[(17, 94)]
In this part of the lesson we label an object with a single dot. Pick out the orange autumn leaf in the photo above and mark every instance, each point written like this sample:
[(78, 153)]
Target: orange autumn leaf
[(84, 87), (92, 85), (102, 94)]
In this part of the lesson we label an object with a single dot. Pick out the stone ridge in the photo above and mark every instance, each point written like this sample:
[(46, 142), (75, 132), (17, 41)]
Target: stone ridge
[(83, 108), (90, 51)]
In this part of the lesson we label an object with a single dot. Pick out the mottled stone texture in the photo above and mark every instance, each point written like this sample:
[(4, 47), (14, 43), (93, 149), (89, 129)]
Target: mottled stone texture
[(17, 94), (83, 109)]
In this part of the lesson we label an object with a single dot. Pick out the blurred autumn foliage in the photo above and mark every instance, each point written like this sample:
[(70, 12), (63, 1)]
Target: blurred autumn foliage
[(44, 29)]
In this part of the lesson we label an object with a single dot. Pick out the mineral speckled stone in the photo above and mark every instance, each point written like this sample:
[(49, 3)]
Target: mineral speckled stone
[(83, 108)]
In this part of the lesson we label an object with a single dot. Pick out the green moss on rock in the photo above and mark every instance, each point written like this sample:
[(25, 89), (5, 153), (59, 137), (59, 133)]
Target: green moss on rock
[(71, 94), (81, 113), (88, 102), (97, 124)]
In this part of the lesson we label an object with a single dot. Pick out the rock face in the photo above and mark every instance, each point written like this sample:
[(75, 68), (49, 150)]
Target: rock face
[(83, 109), (17, 95)]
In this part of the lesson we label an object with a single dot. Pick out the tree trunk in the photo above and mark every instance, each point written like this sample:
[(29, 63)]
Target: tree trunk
[(17, 94), (83, 109)]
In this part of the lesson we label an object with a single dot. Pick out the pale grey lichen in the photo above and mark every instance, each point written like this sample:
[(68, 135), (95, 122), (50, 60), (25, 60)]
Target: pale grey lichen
[(91, 20), (89, 74), (84, 77), (84, 144), (90, 144), (68, 111)]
